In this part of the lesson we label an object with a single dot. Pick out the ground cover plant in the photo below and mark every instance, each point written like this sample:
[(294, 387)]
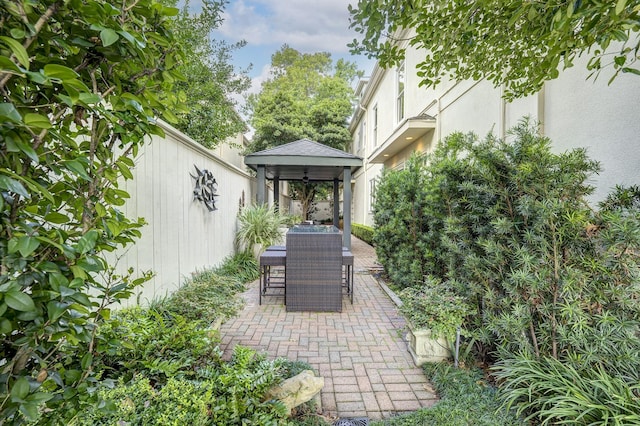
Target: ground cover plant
[(212, 295), (157, 366), (466, 398), (506, 224)]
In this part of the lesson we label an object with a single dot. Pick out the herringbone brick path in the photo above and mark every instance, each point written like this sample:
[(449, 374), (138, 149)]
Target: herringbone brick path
[(360, 352)]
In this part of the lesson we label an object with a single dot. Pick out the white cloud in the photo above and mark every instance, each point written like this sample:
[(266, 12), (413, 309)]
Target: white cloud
[(305, 25)]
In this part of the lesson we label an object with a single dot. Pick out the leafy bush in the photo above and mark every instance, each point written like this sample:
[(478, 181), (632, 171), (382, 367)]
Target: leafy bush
[(364, 232), (221, 393), (434, 306), (242, 266), (82, 84), (507, 223), (206, 296), (144, 342), (178, 402), (239, 388), (402, 223), (465, 399), (258, 224), (549, 276), (555, 392)]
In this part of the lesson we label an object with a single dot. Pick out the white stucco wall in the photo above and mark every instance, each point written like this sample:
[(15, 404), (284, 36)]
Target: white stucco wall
[(603, 118), (575, 112)]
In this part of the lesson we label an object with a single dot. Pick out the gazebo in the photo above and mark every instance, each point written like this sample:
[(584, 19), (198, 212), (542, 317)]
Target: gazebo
[(308, 161)]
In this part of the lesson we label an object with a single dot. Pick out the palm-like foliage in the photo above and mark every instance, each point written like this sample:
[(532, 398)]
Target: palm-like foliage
[(258, 224)]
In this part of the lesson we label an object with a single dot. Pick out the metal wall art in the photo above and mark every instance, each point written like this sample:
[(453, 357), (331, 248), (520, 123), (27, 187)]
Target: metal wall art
[(206, 188)]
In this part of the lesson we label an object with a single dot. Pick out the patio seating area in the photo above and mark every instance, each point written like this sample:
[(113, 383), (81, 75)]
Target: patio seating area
[(360, 352), (319, 269)]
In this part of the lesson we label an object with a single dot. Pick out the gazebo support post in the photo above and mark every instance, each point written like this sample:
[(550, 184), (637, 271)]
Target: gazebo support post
[(346, 208), (276, 193), (336, 202), (262, 184)]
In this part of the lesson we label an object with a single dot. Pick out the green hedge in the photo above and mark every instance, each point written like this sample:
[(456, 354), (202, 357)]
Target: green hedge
[(364, 232), (507, 224)]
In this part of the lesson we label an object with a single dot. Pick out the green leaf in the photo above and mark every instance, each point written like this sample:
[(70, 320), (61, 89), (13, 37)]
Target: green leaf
[(5, 326), (19, 301), (124, 169), (13, 185), (57, 218), (87, 359), (55, 309), (78, 272), (9, 112), (108, 37), (18, 50), (28, 150), (37, 120), (7, 65), (20, 389), (170, 117), (89, 98), (78, 168), (29, 410), (631, 70), (60, 72), (87, 242), (620, 6), (27, 245)]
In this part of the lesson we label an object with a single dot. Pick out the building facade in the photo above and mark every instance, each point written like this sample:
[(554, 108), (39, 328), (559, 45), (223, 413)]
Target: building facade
[(396, 117)]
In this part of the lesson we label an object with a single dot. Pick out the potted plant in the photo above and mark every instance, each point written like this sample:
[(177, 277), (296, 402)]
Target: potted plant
[(258, 228), (433, 313)]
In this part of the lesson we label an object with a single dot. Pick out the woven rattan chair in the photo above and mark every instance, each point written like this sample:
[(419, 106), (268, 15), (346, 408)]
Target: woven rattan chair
[(314, 271), (272, 274)]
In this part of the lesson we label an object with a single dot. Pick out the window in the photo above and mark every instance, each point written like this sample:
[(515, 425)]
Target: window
[(374, 130), (372, 193), (400, 76), (362, 133)]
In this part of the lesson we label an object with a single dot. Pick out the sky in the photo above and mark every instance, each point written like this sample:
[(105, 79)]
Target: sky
[(308, 26)]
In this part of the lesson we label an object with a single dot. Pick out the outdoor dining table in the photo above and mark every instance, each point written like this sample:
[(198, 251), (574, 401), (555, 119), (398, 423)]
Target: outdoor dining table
[(313, 277)]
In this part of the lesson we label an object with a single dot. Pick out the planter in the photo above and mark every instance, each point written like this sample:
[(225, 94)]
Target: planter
[(423, 348)]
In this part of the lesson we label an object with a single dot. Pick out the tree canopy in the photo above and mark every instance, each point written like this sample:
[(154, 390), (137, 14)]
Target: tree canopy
[(518, 44), (307, 96), (211, 82)]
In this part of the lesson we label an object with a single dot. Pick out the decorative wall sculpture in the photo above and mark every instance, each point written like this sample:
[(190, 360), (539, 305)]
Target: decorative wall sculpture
[(206, 188)]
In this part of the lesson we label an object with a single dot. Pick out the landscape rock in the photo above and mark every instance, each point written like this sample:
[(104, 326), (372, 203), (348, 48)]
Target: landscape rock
[(297, 390)]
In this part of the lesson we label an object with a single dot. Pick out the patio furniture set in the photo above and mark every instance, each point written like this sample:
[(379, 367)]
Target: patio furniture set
[(313, 271)]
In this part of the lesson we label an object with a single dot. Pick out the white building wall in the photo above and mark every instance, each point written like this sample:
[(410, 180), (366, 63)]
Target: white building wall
[(181, 236), (575, 112), (603, 118)]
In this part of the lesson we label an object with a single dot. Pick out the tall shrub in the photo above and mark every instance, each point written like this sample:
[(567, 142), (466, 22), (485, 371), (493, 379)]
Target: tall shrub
[(400, 224), (80, 85), (512, 231)]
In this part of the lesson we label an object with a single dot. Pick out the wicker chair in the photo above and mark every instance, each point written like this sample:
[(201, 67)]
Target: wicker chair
[(314, 271)]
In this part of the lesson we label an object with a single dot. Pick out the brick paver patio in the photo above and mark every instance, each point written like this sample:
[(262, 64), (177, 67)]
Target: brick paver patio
[(360, 352)]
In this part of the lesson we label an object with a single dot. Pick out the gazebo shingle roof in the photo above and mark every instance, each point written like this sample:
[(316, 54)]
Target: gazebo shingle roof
[(305, 148), (304, 157)]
